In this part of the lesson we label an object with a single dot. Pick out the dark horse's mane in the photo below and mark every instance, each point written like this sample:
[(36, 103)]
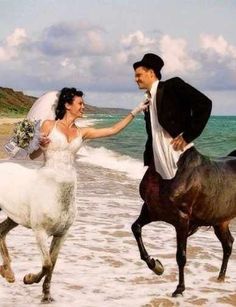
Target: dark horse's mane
[(192, 158)]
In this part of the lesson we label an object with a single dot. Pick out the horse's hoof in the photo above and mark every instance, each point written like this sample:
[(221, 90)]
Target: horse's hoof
[(177, 294), (158, 267), (28, 279), (10, 278), (221, 279), (47, 299), (7, 273)]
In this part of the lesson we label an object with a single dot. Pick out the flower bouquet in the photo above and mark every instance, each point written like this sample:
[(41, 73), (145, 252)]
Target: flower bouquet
[(25, 139)]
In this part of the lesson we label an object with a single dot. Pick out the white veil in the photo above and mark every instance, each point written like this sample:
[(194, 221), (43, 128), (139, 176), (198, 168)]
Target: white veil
[(44, 107)]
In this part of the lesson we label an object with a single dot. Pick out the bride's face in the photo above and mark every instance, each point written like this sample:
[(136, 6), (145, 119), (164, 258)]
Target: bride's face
[(77, 107)]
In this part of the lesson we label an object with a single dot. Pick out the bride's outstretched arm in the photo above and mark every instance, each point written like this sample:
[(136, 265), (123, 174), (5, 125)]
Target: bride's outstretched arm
[(93, 133)]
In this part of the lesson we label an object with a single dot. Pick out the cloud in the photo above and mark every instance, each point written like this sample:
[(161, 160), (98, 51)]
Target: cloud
[(67, 63), (137, 38), (134, 45), (71, 40), (95, 42), (10, 48), (218, 45), (174, 51), (176, 56), (16, 38), (218, 61), (84, 55)]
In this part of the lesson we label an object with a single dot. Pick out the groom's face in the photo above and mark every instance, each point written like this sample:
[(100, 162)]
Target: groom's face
[(144, 77)]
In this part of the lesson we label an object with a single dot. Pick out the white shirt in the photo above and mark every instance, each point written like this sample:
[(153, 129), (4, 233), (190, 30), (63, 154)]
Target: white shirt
[(165, 157)]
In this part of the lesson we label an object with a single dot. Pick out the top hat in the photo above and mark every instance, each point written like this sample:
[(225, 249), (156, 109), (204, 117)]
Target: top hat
[(150, 60)]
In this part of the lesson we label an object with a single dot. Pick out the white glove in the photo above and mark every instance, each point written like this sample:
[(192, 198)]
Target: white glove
[(141, 107)]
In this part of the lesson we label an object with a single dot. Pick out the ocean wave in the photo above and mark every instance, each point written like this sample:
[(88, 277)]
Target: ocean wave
[(86, 122), (103, 157)]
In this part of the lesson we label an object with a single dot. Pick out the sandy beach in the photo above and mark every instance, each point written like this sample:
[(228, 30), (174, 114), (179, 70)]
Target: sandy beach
[(9, 120), (6, 129), (99, 264)]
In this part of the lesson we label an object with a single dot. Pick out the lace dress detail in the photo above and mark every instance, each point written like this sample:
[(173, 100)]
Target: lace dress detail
[(60, 156)]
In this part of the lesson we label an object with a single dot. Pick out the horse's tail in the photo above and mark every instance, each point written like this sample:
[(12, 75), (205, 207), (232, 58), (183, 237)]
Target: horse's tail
[(233, 153)]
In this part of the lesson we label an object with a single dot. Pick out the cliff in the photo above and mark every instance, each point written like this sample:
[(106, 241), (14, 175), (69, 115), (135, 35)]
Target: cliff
[(15, 103)]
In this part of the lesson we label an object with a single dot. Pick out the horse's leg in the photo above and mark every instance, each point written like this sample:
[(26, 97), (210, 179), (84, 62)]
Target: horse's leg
[(5, 269), (223, 234), (181, 234), (41, 238), (142, 220), (56, 244)]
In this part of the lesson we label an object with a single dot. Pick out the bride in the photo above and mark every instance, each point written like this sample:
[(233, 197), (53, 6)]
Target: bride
[(44, 199)]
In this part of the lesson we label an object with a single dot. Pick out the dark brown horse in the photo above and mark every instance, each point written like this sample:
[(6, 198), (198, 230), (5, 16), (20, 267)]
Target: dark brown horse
[(203, 193)]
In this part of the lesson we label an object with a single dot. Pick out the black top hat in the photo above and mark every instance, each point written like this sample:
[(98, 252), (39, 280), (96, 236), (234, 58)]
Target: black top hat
[(151, 60)]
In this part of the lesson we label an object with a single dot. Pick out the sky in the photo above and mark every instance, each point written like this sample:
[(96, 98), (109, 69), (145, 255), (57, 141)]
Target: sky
[(92, 45)]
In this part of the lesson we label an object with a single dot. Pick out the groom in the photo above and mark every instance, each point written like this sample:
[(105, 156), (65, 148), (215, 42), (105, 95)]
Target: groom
[(177, 114)]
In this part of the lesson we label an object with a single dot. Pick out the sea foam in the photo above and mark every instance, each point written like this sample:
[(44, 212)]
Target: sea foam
[(110, 159)]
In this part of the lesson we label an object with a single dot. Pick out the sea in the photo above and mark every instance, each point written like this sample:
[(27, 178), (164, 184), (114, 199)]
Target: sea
[(99, 264), (218, 138)]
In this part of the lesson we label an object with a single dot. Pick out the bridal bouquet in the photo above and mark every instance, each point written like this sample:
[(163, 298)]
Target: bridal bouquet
[(23, 133), (25, 139)]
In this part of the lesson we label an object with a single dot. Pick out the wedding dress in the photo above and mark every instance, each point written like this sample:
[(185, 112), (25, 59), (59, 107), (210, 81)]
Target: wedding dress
[(32, 197)]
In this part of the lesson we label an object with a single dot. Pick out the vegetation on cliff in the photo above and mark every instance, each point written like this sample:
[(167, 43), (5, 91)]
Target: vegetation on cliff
[(15, 103)]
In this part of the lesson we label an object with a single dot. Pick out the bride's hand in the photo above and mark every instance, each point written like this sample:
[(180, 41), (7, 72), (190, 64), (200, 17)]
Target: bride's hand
[(141, 107), (44, 140)]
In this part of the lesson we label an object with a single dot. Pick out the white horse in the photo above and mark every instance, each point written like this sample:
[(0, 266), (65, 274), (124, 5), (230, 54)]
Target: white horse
[(43, 200)]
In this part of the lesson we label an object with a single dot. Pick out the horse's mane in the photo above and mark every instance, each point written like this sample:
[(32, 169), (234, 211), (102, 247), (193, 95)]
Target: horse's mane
[(194, 171), (191, 158)]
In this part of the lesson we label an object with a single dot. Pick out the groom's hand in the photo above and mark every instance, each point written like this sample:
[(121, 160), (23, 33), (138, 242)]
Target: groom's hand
[(179, 143)]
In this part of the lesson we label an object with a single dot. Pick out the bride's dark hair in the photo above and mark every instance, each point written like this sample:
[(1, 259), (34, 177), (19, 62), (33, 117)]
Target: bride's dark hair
[(66, 96)]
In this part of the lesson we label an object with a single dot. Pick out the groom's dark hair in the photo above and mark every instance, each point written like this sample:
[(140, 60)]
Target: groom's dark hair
[(66, 96)]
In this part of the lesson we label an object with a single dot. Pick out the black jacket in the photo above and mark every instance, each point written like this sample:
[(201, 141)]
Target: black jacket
[(180, 109)]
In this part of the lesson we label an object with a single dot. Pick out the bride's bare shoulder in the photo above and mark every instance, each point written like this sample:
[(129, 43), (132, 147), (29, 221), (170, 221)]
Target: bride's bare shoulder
[(47, 125)]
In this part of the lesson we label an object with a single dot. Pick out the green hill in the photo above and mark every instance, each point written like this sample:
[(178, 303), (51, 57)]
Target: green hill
[(14, 103)]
